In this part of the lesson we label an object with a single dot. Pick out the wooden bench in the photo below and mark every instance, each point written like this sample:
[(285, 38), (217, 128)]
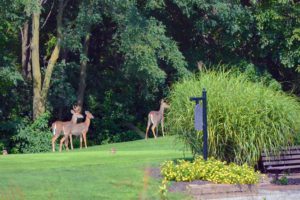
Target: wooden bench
[(286, 161)]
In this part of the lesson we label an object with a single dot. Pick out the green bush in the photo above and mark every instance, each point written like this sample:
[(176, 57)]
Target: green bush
[(244, 118), (210, 170), (35, 137)]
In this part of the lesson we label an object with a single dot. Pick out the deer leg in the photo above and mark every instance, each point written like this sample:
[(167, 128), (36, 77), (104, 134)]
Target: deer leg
[(67, 143), (162, 127), (81, 141), (54, 138), (146, 135), (71, 141), (61, 143), (153, 131), (148, 126), (84, 138)]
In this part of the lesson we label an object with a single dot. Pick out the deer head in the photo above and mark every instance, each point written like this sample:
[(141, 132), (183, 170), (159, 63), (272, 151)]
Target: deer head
[(77, 109), (75, 116), (89, 115), (164, 104)]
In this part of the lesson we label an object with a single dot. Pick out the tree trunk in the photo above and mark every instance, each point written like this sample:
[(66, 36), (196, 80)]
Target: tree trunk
[(83, 67), (38, 108), (40, 92), (26, 66)]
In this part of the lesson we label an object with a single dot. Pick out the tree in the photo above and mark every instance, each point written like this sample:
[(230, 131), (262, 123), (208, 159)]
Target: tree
[(40, 88), (87, 17)]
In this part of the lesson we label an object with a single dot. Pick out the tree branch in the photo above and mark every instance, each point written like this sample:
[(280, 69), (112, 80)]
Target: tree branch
[(65, 4), (48, 15)]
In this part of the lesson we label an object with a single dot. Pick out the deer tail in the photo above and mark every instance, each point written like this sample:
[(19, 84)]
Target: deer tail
[(53, 128)]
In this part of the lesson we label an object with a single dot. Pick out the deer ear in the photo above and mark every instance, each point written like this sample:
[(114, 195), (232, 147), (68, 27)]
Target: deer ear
[(86, 112), (72, 111)]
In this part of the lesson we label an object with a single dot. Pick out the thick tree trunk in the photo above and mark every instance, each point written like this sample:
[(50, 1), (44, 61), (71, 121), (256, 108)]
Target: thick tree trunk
[(26, 66), (38, 108), (83, 67)]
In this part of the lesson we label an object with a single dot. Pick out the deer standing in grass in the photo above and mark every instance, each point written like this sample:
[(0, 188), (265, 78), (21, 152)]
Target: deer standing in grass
[(57, 126), (79, 129), (155, 118)]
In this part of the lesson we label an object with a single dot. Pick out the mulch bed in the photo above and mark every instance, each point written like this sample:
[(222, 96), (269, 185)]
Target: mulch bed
[(293, 179)]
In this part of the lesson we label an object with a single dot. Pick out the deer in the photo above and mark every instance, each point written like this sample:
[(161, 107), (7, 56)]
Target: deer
[(57, 126), (79, 129), (155, 118)]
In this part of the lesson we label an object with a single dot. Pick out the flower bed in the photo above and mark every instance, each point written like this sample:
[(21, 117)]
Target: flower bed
[(211, 170)]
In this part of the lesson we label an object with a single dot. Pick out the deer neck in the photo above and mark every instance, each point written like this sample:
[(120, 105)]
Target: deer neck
[(161, 110), (87, 121), (74, 120)]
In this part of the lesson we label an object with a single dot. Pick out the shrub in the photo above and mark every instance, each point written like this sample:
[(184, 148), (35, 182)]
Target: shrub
[(35, 137), (244, 118), (210, 170)]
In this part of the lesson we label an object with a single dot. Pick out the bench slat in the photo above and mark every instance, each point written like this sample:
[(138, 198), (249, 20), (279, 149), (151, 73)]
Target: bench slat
[(273, 158), (283, 167), (282, 162), (286, 152)]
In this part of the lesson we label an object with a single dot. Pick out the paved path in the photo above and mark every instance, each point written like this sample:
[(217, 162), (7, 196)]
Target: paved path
[(261, 195), (264, 191)]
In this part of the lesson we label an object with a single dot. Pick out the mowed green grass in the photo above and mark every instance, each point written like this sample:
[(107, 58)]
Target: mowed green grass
[(93, 173)]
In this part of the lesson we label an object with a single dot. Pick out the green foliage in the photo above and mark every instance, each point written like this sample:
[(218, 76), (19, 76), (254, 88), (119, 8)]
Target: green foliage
[(31, 6), (278, 28), (244, 118), (283, 180), (144, 44), (89, 15), (62, 93), (211, 170), (163, 189), (252, 73), (9, 79), (13, 106), (113, 119), (50, 44), (34, 137), (220, 30)]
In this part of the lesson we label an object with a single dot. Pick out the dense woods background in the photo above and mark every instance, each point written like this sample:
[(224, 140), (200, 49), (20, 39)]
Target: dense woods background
[(119, 58)]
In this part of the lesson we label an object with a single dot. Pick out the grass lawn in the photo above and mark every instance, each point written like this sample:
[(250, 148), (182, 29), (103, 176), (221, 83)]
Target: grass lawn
[(93, 173)]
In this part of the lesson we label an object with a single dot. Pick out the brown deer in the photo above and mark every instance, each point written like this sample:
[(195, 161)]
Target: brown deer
[(79, 129), (57, 126), (155, 118), (4, 152)]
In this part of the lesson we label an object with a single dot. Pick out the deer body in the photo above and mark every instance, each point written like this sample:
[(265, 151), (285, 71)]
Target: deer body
[(79, 129), (58, 126), (155, 118)]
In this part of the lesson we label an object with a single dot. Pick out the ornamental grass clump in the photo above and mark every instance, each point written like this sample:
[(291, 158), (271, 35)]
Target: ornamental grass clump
[(211, 170), (244, 118)]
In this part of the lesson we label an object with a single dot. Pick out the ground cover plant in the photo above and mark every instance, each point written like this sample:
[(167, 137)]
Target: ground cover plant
[(244, 118), (211, 170), (94, 173)]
